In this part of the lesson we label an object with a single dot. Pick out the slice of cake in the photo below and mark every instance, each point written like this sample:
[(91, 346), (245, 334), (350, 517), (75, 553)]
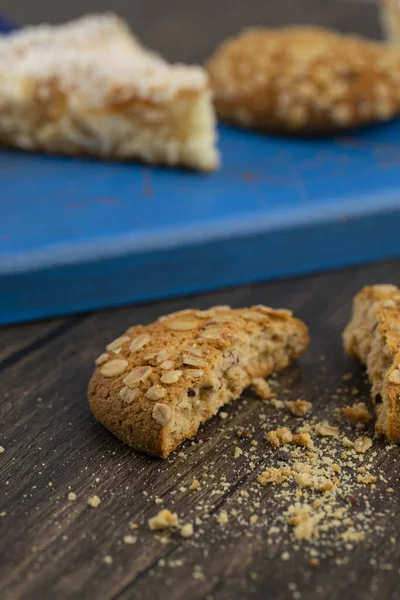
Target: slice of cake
[(89, 87), (156, 384), (373, 336), (390, 17)]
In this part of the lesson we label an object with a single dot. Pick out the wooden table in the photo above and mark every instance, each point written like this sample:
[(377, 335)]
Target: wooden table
[(54, 548)]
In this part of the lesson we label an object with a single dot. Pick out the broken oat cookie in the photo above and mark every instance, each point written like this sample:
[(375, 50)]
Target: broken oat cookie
[(156, 384), (373, 336)]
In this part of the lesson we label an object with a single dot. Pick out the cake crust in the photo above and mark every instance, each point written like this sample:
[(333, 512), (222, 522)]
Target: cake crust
[(156, 384)]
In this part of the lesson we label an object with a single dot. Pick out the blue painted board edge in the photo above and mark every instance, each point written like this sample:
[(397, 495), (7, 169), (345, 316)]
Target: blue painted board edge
[(154, 275)]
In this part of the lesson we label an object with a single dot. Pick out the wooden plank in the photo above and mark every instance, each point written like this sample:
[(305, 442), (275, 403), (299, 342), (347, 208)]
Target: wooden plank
[(54, 548), (14, 340)]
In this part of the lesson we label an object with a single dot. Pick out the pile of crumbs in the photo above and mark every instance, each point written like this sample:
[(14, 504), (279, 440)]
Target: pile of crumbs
[(309, 487), (319, 473)]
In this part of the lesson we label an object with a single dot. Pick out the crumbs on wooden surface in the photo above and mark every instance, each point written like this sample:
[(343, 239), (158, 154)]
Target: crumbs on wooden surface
[(94, 501)]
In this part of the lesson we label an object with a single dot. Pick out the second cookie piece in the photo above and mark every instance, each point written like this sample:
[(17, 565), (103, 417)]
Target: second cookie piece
[(373, 336), (304, 80), (156, 384)]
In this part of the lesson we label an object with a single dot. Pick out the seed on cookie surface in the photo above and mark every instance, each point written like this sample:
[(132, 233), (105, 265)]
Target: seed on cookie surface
[(115, 346), (193, 361), (394, 377), (162, 356), (171, 377), (194, 373), (156, 392), (211, 335), (128, 395), (139, 374), (162, 414), (102, 359), (114, 367), (139, 341), (183, 324), (204, 314), (167, 365), (195, 351)]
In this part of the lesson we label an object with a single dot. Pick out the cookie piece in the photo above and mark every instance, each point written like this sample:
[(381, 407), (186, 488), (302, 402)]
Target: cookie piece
[(156, 384), (373, 336), (390, 18), (89, 87), (304, 80)]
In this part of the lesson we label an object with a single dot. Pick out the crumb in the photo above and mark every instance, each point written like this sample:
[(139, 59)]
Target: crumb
[(351, 535), (223, 518), (94, 501), (133, 526), (285, 555), (158, 500), (362, 444), (366, 479), (389, 490), (304, 440), (194, 485), (304, 522), (238, 452), (2, 449), (279, 437), (273, 475), (346, 442), (325, 430), (129, 539), (163, 520), (358, 413), (314, 562), (278, 404), (262, 389), (108, 560), (223, 415), (72, 496), (253, 519), (3, 513), (243, 433), (299, 408), (187, 530)]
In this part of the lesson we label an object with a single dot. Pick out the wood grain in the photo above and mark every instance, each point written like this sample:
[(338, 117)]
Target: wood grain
[(54, 548)]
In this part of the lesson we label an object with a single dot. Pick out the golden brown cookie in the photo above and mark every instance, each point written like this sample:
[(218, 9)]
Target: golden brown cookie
[(305, 80), (157, 383), (390, 17), (89, 87), (373, 336)]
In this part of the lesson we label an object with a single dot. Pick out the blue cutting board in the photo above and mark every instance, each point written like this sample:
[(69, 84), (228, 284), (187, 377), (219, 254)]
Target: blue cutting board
[(79, 234)]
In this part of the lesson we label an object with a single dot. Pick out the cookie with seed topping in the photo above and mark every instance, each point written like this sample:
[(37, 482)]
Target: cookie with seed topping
[(373, 336), (156, 384), (304, 80)]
